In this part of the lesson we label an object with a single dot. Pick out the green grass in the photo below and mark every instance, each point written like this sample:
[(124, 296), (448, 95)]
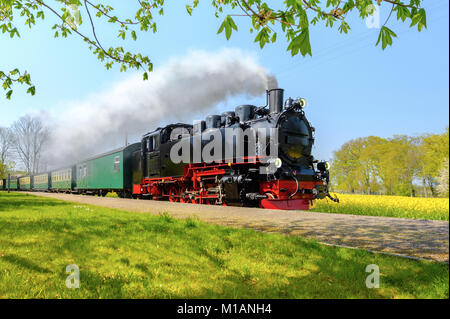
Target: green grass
[(129, 255)]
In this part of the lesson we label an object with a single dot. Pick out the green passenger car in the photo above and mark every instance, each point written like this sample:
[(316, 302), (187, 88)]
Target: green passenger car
[(107, 172), (41, 182), (13, 183), (63, 179), (25, 183)]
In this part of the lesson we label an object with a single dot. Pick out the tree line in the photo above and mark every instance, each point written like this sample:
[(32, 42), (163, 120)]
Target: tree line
[(400, 165), (22, 145)]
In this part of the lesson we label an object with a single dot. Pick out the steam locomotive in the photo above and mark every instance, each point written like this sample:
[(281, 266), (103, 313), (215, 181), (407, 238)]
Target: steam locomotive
[(252, 156), (269, 171)]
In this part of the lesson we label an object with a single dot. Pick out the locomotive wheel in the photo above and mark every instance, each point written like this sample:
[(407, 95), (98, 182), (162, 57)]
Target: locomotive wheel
[(183, 198), (173, 195)]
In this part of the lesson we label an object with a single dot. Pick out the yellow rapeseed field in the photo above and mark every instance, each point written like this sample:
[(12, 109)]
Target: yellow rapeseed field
[(390, 206)]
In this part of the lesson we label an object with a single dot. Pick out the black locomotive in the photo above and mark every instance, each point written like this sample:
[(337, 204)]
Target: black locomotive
[(253, 168)]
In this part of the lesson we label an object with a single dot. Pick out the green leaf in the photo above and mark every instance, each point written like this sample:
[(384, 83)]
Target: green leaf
[(262, 37), (228, 25), (31, 90), (222, 27), (301, 43), (385, 36), (189, 9), (274, 38), (344, 27), (420, 19)]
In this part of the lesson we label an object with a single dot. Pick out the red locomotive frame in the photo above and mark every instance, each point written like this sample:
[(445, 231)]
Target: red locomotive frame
[(199, 185)]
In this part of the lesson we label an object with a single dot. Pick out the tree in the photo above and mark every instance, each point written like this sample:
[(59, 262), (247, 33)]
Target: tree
[(411, 170), (355, 165), (398, 165), (368, 167), (434, 149), (344, 165), (443, 187), (293, 18), (6, 143), (3, 170), (30, 136)]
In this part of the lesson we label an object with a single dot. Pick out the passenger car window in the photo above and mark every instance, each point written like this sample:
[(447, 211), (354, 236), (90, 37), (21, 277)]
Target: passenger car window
[(116, 163)]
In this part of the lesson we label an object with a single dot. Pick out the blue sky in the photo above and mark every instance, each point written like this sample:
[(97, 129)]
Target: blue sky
[(353, 88)]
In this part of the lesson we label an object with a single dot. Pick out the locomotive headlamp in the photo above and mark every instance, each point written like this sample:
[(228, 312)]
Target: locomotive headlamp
[(323, 166), (278, 162), (275, 162), (301, 102)]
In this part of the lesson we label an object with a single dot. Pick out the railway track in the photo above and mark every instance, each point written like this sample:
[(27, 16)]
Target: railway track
[(405, 237)]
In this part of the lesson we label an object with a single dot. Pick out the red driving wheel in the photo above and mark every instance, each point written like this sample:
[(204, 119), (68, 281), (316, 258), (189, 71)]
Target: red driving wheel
[(173, 195), (183, 198)]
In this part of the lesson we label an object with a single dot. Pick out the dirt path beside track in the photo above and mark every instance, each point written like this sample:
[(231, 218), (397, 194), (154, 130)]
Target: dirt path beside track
[(407, 237)]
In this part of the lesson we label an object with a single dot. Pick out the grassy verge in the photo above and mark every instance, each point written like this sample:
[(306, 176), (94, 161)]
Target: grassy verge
[(388, 206), (130, 255)]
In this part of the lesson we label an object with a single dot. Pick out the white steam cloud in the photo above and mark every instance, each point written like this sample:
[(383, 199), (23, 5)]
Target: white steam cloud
[(177, 91)]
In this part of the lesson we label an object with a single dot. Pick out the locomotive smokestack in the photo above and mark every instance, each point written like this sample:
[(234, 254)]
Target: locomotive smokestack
[(275, 97)]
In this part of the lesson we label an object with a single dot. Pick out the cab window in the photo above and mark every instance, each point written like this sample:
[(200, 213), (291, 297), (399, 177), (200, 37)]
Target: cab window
[(156, 142), (151, 142)]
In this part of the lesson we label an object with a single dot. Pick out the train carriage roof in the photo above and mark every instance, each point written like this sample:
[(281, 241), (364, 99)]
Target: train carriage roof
[(88, 159), (121, 149)]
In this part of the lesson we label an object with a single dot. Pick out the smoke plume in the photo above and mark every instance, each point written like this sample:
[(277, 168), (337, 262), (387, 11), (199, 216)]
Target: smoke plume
[(175, 92)]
